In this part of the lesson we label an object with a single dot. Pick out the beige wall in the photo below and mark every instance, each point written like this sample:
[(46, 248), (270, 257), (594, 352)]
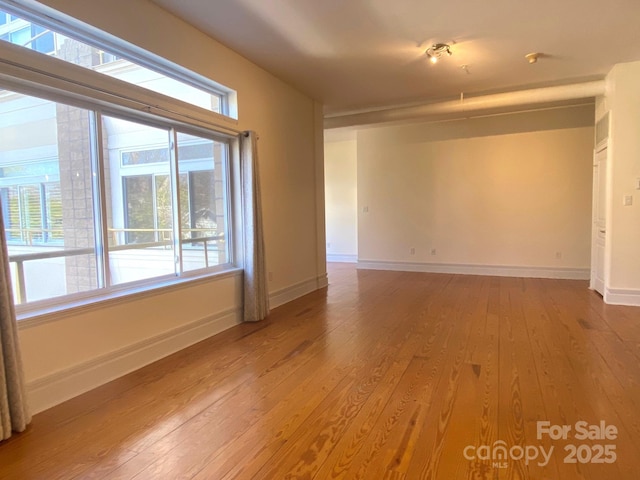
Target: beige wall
[(623, 222), (510, 190), (290, 150), (340, 160)]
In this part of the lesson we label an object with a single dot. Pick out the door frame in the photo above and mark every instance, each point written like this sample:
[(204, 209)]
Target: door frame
[(599, 230)]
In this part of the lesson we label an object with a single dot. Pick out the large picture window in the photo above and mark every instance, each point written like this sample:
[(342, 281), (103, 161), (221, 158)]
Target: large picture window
[(163, 211), (98, 195)]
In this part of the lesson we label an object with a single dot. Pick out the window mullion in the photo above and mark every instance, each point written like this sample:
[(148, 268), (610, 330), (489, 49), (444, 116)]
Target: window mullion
[(99, 201), (175, 201), (228, 204)]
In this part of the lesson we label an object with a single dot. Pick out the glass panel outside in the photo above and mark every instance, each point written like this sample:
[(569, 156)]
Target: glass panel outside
[(139, 216), (202, 202), (47, 197)]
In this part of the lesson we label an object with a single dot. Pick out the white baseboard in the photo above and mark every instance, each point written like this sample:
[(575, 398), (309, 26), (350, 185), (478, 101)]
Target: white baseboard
[(323, 280), (342, 258), (287, 294), (619, 296), (53, 389), (490, 270)]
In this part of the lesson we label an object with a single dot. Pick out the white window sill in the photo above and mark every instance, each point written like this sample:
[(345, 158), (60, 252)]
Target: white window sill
[(51, 313)]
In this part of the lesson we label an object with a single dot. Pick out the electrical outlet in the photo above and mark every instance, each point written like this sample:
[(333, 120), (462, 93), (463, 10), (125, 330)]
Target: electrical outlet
[(365, 209), (328, 244), (558, 255), (413, 251), (433, 251)]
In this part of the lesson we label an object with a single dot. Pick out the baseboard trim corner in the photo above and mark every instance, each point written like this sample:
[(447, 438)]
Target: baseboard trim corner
[(322, 280), (297, 290)]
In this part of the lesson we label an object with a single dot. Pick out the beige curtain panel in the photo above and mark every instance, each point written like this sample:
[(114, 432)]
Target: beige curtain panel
[(256, 297), (14, 412)]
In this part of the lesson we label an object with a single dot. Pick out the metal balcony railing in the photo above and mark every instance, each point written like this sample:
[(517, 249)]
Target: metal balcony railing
[(49, 251)]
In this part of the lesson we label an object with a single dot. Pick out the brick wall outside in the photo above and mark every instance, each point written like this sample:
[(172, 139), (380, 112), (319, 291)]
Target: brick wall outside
[(74, 157)]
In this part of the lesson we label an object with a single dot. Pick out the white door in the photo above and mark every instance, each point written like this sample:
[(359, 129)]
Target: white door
[(599, 220)]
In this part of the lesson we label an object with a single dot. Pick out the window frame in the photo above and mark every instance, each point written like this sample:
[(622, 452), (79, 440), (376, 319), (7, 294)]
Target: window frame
[(71, 27), (106, 289), (36, 74)]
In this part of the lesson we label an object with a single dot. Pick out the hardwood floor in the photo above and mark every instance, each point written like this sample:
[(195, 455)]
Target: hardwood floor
[(386, 375)]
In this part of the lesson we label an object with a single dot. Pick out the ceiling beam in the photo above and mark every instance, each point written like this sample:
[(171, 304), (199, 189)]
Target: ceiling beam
[(472, 106)]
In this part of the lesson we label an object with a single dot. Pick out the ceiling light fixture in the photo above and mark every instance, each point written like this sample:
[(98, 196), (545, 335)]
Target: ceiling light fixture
[(532, 57), (435, 51)]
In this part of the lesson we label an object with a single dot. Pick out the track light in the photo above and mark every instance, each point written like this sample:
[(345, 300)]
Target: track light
[(435, 51)]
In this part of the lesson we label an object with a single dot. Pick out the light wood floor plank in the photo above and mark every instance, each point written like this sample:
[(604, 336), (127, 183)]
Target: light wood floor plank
[(385, 375)]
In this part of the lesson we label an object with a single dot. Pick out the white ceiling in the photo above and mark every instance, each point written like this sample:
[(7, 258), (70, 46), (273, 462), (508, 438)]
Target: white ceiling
[(353, 54)]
